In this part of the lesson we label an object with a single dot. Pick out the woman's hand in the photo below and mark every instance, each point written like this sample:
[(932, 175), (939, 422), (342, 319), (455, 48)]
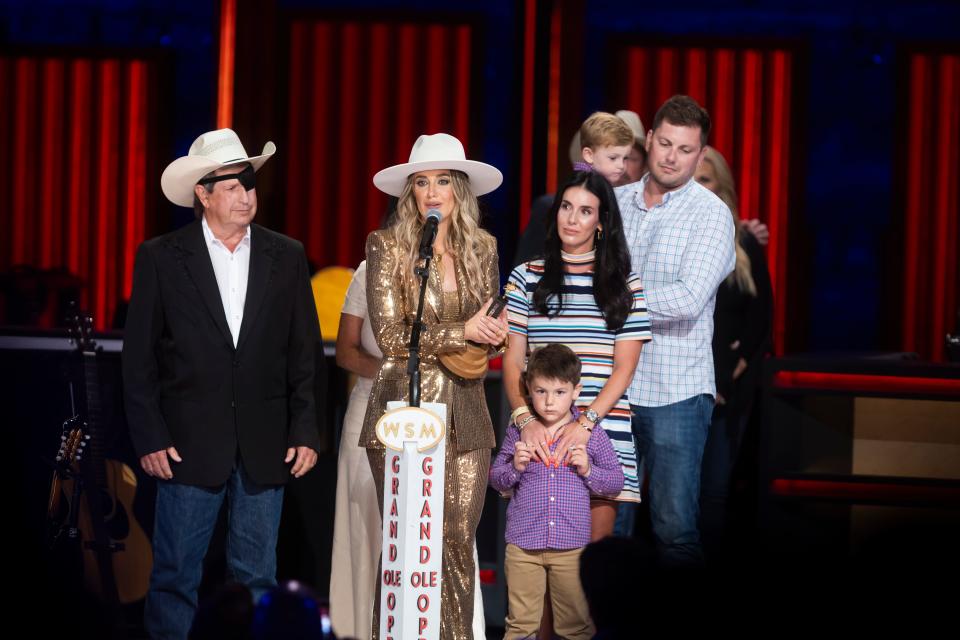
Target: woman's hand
[(740, 368), (483, 329), (571, 434), (759, 231), (534, 436)]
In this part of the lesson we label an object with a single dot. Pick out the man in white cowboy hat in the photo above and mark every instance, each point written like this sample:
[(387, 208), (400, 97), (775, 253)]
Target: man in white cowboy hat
[(219, 368)]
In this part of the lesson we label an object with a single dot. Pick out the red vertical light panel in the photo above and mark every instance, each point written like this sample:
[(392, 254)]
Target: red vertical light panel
[(437, 79), (638, 97), (722, 108), (461, 107), (6, 98), (51, 171), (376, 159), (751, 134), (553, 95), (665, 69), (228, 37), (777, 202), (526, 116), (930, 271), (24, 126), (105, 202), (695, 63), (350, 99), (931, 211), (318, 157), (951, 200), (406, 62), (134, 213), (78, 203), (915, 170), (946, 180), (296, 149)]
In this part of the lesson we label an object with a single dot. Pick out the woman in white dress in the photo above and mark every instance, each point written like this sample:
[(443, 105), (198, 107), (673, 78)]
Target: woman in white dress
[(356, 529), (357, 525)]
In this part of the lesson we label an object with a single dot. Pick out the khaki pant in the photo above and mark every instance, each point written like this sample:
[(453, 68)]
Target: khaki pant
[(528, 574)]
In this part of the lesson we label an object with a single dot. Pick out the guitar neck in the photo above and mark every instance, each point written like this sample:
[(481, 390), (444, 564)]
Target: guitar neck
[(96, 448)]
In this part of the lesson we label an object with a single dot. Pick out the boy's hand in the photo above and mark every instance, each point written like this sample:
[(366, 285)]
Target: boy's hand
[(579, 459), (521, 457)]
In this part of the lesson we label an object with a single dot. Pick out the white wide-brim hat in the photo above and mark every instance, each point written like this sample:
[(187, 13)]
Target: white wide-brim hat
[(211, 151), (438, 151)]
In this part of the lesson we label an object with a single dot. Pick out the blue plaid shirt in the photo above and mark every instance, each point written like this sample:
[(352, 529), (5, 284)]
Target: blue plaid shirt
[(682, 250)]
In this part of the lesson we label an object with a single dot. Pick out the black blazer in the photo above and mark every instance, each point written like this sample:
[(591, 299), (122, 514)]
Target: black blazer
[(185, 385)]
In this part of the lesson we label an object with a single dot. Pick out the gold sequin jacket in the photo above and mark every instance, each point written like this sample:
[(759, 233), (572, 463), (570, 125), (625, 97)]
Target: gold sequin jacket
[(392, 307)]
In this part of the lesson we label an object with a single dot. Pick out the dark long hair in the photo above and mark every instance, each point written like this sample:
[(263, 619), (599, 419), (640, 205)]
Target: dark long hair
[(612, 262)]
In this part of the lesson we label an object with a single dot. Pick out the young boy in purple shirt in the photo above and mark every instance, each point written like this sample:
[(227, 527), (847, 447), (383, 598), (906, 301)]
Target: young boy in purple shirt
[(548, 519)]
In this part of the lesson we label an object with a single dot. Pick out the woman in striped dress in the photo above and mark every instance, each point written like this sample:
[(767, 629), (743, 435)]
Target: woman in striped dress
[(582, 294)]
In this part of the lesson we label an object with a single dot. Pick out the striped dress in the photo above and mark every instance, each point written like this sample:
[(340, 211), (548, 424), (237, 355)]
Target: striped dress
[(581, 327)]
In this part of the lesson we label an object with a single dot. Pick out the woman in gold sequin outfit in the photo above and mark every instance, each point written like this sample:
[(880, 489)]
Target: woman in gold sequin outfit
[(463, 279)]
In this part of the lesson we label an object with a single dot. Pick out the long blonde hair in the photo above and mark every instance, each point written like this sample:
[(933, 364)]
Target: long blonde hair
[(727, 191), (464, 236)]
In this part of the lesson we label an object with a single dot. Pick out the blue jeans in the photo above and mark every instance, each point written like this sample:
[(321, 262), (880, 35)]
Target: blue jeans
[(670, 442), (185, 519)]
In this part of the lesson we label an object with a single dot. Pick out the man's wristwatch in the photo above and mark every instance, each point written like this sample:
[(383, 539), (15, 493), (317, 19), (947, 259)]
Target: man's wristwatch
[(592, 416)]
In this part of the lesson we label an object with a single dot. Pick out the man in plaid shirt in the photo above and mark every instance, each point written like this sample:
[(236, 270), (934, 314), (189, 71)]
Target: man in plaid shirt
[(681, 244), (548, 520)]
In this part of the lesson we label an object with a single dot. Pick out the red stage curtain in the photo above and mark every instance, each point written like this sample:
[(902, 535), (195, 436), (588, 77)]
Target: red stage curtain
[(359, 94), (74, 192), (931, 232)]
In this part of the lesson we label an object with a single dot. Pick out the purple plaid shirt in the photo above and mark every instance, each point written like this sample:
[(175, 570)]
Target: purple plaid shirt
[(550, 508), (583, 166)]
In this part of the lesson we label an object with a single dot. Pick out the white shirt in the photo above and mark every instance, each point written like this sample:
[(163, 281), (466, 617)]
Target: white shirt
[(682, 249), (231, 270)]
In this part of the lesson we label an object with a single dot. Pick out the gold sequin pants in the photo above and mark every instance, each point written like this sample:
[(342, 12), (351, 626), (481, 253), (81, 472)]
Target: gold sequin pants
[(465, 487)]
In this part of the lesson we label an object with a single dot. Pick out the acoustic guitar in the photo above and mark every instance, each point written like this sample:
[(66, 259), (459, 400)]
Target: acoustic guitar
[(117, 557)]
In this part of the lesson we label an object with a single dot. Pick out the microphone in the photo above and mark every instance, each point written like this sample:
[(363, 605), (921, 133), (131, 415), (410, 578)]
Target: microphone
[(429, 233)]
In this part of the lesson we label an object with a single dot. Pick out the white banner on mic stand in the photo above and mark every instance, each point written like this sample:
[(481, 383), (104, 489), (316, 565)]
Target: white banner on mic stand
[(412, 520)]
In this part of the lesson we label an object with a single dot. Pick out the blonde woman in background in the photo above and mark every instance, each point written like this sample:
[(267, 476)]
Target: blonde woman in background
[(356, 529), (742, 324)]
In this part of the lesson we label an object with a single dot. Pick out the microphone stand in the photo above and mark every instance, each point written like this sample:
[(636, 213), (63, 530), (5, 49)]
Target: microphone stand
[(413, 361)]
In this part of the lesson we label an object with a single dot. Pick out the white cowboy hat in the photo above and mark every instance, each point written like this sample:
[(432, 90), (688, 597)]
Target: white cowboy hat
[(439, 151), (211, 151)]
